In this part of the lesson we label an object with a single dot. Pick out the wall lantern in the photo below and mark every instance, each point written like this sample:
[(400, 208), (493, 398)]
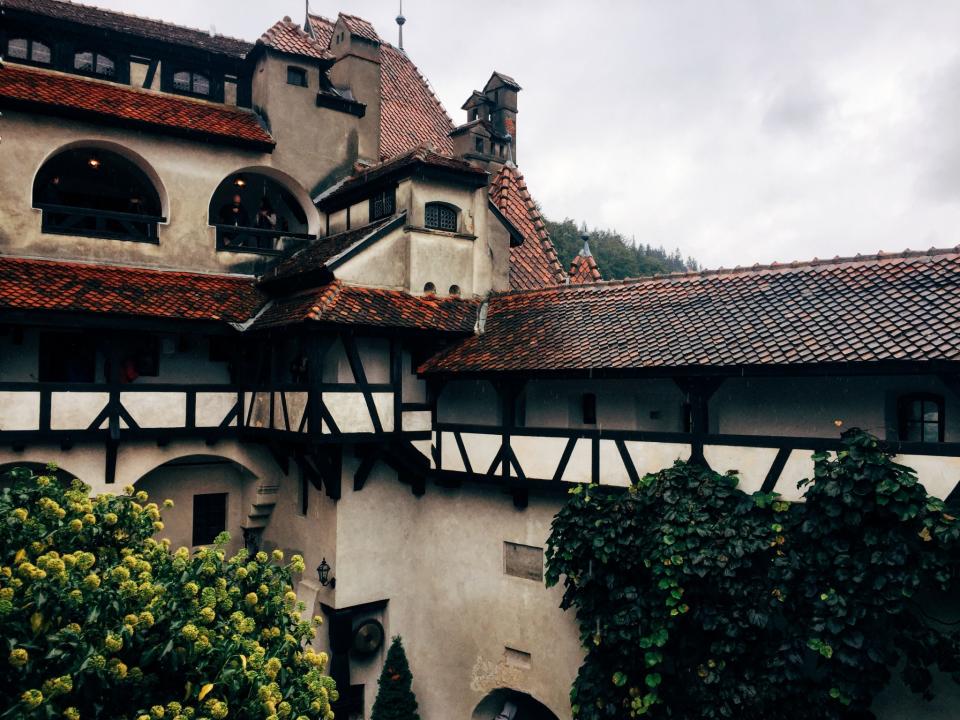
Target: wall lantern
[(239, 181), (94, 162), (323, 573)]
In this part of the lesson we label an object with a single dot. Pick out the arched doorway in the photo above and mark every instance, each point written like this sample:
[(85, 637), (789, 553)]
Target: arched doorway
[(37, 468), (210, 494), (95, 192), (508, 704), (253, 211)]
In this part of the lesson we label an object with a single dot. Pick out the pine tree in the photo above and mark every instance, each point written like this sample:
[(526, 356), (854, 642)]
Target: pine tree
[(395, 699)]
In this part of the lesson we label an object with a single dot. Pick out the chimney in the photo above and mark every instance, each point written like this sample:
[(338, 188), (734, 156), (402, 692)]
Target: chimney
[(488, 138)]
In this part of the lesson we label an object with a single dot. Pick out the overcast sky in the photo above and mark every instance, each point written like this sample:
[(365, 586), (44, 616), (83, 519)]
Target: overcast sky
[(740, 132)]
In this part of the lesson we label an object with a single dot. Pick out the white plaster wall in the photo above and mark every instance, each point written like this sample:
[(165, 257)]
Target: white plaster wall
[(439, 561), (382, 264)]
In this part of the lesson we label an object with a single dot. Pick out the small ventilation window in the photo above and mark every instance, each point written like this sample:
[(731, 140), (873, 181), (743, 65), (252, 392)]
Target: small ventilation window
[(93, 62), (296, 76), (191, 82), (383, 204), (430, 288), (441, 217)]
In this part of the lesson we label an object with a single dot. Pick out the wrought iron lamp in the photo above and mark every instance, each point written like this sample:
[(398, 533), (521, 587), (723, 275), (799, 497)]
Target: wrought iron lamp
[(323, 574)]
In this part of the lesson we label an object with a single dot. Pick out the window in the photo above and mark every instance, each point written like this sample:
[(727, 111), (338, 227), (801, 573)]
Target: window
[(94, 62), (441, 217), (921, 418), (209, 517), (478, 144), (191, 82), (383, 204), (430, 288), (303, 501), (67, 357), (26, 49), (589, 409), (296, 76), (454, 290)]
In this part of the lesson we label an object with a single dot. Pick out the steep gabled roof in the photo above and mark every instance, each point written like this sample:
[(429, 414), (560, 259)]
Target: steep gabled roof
[(132, 25), (584, 269), (321, 28), (79, 287), (410, 113), (62, 94), (344, 304), (288, 37), (886, 308), (359, 27), (534, 263)]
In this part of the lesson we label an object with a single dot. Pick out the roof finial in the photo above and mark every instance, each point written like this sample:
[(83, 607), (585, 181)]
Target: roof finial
[(585, 236), (400, 21)]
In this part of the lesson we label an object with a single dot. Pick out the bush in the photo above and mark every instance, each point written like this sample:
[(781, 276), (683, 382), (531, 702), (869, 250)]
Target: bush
[(696, 600), (100, 620), (395, 698)]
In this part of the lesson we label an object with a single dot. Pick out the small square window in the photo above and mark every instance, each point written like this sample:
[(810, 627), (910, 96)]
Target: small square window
[(17, 48), (296, 76), (383, 204), (921, 418), (209, 517)]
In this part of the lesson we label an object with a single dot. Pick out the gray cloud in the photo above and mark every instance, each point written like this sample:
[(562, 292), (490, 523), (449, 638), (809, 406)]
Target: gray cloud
[(740, 131)]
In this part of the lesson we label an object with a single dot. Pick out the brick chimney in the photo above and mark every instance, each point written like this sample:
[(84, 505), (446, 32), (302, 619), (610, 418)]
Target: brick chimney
[(489, 137)]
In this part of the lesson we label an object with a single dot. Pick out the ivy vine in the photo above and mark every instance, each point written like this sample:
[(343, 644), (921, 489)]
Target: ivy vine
[(697, 600)]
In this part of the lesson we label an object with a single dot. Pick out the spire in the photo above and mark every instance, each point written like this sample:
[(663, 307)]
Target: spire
[(306, 18), (400, 21), (585, 250)]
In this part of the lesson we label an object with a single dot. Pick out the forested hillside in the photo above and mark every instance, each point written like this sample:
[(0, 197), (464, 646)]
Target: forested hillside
[(616, 256)]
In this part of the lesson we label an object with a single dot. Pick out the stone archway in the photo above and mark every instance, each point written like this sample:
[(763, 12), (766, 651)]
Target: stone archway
[(509, 704)]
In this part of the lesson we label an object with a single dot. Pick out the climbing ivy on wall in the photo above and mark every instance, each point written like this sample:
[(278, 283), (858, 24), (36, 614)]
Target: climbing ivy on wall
[(697, 600)]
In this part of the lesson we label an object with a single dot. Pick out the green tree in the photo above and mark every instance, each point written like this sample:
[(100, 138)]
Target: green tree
[(395, 698), (696, 600), (100, 620)]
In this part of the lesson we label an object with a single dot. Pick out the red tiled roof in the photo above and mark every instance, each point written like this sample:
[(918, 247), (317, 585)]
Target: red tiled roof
[(584, 269), (372, 307), (22, 86), (288, 37), (534, 263), (886, 308), (132, 25), (360, 27), (410, 113), (421, 156), (321, 28), (77, 287)]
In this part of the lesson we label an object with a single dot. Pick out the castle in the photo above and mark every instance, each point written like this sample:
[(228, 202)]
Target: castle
[(274, 282)]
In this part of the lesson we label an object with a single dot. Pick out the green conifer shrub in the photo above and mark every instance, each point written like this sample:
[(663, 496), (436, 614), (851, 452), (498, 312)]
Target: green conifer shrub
[(395, 698)]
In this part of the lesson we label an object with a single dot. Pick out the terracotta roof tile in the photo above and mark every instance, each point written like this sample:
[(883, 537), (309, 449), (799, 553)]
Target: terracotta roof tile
[(60, 92), (410, 113), (132, 25), (321, 28), (288, 37), (584, 269), (886, 308), (76, 287), (344, 304), (360, 27), (534, 263)]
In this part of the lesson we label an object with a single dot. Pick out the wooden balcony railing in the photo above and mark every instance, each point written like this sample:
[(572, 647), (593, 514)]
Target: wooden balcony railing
[(89, 222), (258, 240)]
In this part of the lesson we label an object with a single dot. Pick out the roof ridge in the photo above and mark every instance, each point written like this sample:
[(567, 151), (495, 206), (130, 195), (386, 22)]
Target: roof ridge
[(739, 270), (6, 62), (121, 266), (167, 23)]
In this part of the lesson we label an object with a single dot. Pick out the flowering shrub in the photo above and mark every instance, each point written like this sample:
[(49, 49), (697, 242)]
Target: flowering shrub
[(100, 620), (696, 600)]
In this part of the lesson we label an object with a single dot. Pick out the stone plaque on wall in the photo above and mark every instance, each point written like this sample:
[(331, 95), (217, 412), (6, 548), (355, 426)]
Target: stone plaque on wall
[(523, 561)]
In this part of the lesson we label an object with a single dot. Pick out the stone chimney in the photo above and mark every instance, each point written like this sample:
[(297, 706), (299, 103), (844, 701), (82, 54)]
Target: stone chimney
[(489, 137)]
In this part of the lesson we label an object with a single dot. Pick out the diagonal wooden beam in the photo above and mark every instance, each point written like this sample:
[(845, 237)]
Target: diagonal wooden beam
[(360, 377)]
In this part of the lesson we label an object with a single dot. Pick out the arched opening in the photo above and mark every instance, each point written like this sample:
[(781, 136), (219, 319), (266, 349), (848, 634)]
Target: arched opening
[(210, 495), (441, 216), (507, 704), (96, 192), (254, 211), (37, 468)]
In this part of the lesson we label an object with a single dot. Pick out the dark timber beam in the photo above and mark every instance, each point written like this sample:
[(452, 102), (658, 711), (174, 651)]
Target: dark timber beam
[(360, 377), (698, 391)]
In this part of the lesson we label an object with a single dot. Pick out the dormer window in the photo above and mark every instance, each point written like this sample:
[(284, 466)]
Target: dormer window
[(383, 204), (27, 49), (191, 82), (440, 216), (95, 63), (296, 76)]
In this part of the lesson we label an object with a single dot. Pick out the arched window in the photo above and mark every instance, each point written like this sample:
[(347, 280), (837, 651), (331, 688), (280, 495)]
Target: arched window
[(430, 288), (96, 63), (441, 216), (191, 82), (921, 418), (27, 49), (454, 291), (255, 213), (97, 193)]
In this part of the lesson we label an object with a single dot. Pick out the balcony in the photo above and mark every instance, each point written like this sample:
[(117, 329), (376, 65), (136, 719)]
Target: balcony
[(257, 240), (87, 222)]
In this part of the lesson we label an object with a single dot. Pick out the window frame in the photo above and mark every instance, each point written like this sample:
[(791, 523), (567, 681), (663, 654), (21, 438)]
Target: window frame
[(29, 59), (304, 75), (192, 91), (905, 420), (381, 196), (94, 56), (441, 207), (215, 82)]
